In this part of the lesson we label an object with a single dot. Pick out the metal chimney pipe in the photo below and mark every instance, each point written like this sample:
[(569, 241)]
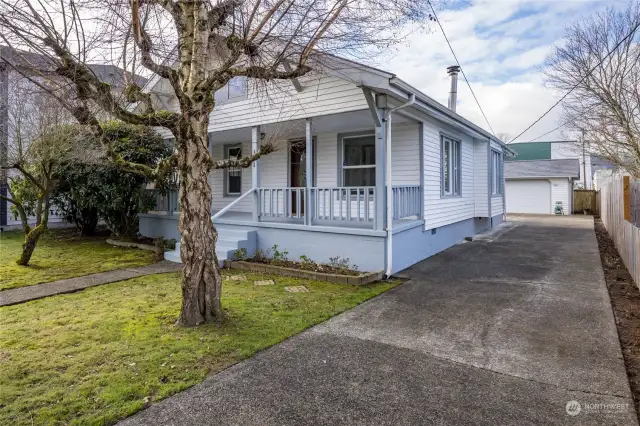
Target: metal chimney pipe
[(453, 71)]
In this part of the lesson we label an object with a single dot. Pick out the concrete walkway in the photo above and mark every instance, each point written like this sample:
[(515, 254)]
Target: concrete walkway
[(505, 330), (38, 291)]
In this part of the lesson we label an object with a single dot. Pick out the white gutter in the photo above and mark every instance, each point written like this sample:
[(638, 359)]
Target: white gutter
[(412, 99)]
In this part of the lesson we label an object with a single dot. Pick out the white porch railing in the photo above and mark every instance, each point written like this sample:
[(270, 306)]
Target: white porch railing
[(343, 203), (407, 201), (165, 202), (281, 202)]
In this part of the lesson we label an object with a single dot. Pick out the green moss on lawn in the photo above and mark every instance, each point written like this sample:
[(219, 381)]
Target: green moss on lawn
[(94, 357), (62, 254)]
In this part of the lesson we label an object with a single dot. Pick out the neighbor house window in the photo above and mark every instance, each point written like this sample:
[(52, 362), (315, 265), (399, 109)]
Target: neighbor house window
[(450, 166), (359, 160), (496, 172), (234, 90), (233, 175)]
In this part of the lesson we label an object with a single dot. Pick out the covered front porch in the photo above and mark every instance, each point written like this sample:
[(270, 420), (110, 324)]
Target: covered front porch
[(329, 176)]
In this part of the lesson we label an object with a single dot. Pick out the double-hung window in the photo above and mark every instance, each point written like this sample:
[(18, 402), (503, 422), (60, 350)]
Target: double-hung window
[(233, 175), (496, 172), (234, 90), (450, 162), (359, 160)]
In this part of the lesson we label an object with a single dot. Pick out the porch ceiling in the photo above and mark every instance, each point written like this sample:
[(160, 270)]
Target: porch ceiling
[(334, 123)]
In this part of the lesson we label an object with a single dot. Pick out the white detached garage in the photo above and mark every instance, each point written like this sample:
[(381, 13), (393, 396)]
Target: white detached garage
[(540, 186)]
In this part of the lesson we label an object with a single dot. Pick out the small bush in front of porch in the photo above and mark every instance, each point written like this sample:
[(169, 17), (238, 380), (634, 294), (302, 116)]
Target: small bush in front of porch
[(337, 265)]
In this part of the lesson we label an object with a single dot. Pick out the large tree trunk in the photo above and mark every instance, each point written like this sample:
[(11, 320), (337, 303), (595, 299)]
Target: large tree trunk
[(29, 245), (201, 280)]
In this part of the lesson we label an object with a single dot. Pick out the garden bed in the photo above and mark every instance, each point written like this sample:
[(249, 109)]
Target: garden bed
[(354, 278)]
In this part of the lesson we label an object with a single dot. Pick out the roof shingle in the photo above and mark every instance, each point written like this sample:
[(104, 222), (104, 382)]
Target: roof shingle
[(569, 168)]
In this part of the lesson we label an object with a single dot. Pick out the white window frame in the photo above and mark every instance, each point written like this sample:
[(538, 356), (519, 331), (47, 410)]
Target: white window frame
[(497, 171), (343, 156), (227, 171), (454, 166)]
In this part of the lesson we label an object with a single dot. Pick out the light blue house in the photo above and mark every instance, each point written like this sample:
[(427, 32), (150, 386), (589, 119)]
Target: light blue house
[(368, 168)]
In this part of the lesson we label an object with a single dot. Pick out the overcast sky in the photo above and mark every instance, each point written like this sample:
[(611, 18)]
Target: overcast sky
[(500, 44)]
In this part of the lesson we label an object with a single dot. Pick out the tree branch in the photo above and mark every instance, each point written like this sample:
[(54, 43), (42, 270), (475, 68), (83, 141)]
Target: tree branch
[(244, 162)]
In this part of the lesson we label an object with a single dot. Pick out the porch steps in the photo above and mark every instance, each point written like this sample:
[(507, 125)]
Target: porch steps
[(229, 240)]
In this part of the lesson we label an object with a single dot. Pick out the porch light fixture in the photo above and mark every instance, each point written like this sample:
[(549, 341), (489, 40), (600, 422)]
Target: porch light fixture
[(262, 135), (381, 101)]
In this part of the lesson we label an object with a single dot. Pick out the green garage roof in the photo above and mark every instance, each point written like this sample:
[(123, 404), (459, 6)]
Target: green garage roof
[(530, 151)]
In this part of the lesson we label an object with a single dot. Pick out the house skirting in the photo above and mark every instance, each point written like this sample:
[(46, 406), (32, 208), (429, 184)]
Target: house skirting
[(416, 244), (411, 243), (159, 225)]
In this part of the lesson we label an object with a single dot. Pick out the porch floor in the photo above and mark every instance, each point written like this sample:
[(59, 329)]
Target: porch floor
[(248, 218)]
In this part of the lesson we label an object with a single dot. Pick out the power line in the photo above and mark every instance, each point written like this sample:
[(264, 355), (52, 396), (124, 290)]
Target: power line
[(578, 83), (461, 69), (550, 131)]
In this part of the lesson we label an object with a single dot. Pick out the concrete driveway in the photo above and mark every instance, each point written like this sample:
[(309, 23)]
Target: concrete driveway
[(506, 329)]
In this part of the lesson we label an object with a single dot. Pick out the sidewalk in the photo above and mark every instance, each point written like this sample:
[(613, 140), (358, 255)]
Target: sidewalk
[(38, 291)]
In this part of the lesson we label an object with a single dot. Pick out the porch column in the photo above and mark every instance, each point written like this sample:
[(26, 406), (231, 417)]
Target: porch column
[(308, 199), (380, 207), (255, 172)]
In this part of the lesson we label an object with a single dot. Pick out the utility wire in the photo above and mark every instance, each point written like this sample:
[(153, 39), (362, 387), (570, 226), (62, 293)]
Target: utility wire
[(578, 83), (461, 69), (550, 131)]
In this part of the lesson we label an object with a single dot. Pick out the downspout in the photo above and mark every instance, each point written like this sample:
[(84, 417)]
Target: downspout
[(412, 99)]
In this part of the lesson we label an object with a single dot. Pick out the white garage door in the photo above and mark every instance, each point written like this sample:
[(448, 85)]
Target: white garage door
[(528, 196)]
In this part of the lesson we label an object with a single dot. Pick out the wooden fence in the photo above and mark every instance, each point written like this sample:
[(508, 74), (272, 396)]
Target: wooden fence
[(584, 200), (620, 213)]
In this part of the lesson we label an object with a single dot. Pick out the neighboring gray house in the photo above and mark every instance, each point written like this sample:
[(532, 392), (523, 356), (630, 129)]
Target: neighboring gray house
[(107, 73), (541, 186), (395, 176)]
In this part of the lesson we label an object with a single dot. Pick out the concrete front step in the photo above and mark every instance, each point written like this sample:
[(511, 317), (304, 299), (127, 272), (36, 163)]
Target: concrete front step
[(229, 240)]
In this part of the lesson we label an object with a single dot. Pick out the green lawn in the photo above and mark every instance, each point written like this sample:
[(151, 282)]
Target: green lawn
[(100, 355), (62, 254)]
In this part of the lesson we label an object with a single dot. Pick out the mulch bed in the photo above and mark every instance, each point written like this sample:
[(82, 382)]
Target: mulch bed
[(625, 299), (311, 266)]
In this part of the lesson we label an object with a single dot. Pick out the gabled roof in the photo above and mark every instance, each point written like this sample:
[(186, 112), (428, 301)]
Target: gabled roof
[(385, 82), (564, 168)]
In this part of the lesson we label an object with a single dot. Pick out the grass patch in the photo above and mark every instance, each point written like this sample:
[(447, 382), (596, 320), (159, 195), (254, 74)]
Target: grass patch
[(100, 355), (63, 254)]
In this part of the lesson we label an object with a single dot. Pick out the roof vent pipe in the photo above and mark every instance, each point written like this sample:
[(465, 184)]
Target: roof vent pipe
[(453, 93)]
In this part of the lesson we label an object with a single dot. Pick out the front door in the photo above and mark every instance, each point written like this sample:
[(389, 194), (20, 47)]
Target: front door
[(298, 172)]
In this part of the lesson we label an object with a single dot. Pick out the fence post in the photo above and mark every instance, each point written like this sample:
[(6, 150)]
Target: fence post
[(626, 198)]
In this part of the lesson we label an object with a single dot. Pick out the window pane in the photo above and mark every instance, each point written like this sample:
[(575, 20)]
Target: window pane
[(234, 175), (360, 151), (234, 182), (237, 87), (445, 167), (221, 94), (360, 177)]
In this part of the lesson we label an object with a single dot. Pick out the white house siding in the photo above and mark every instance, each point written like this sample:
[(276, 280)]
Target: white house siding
[(278, 101), (405, 154), (481, 179), (438, 210), (561, 191), (496, 205)]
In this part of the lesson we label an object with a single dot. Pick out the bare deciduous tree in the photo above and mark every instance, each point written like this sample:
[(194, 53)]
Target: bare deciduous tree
[(604, 107), (198, 46)]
